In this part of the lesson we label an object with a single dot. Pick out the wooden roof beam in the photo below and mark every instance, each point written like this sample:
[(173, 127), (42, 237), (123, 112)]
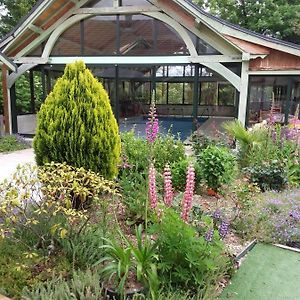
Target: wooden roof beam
[(36, 29), (117, 10)]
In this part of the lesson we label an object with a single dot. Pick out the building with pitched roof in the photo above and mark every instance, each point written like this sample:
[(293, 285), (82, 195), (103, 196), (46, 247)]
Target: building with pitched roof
[(194, 64)]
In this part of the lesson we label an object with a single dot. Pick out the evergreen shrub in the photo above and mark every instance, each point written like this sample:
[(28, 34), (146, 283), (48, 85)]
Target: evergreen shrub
[(76, 124)]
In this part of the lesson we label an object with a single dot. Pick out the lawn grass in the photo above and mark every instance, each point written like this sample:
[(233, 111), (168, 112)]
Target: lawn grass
[(268, 272)]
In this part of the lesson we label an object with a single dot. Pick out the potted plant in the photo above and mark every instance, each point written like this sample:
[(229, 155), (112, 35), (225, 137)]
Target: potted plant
[(129, 269)]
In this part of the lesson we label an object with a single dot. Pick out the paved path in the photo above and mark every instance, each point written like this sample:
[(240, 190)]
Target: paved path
[(9, 161)]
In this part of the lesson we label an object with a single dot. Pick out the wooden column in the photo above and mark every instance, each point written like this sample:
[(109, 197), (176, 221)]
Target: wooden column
[(242, 111), (6, 106), (196, 97)]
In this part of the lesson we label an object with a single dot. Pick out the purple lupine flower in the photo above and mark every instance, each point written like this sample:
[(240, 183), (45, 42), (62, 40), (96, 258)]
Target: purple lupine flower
[(209, 235), (152, 126), (216, 215), (223, 229)]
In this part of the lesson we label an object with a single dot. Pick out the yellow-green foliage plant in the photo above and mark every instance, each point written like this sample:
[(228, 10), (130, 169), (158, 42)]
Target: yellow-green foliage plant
[(76, 124)]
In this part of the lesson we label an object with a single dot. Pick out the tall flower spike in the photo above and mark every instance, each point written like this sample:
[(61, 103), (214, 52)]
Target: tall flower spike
[(188, 194), (152, 187), (152, 126), (168, 188)]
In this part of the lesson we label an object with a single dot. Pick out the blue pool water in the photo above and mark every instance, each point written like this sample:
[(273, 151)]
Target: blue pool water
[(182, 126)]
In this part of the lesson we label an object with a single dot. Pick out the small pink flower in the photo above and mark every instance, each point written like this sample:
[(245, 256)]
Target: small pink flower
[(187, 201), (152, 126), (152, 187), (168, 188)]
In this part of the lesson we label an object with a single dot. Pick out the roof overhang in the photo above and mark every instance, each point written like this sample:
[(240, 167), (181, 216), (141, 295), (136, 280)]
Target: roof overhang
[(8, 62)]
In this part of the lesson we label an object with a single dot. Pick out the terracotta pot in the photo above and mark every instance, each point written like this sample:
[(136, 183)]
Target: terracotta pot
[(212, 193)]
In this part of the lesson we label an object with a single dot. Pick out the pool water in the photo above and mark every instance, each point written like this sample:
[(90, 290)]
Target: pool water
[(178, 126)]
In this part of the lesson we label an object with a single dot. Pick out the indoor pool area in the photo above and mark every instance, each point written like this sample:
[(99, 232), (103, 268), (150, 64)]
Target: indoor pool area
[(178, 126)]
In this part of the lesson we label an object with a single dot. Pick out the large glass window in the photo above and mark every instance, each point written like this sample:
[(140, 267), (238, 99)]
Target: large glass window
[(120, 35), (226, 94), (100, 36), (161, 92), (272, 92), (209, 93), (175, 93), (69, 43)]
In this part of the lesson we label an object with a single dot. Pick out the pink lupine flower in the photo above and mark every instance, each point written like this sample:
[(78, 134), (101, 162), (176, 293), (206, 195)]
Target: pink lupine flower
[(188, 194), (152, 187), (152, 126), (168, 188)]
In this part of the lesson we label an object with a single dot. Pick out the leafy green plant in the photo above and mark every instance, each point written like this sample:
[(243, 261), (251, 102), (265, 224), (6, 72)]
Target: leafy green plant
[(117, 265), (179, 169), (217, 166), (246, 139), (76, 124), (144, 254), (33, 215), (166, 149), (133, 187), (185, 258), (269, 175), (82, 285), (83, 250), (77, 187), (10, 143), (201, 141), (130, 261)]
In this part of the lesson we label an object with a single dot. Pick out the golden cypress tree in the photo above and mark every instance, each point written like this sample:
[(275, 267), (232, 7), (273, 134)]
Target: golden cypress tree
[(76, 124)]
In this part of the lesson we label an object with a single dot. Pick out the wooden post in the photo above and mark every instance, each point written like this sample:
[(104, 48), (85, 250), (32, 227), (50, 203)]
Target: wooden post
[(6, 106), (242, 111)]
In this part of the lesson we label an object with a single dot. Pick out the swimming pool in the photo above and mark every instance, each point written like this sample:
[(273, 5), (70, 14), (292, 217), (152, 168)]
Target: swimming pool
[(182, 126)]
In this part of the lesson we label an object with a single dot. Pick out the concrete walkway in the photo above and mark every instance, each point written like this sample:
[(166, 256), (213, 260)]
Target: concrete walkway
[(9, 161)]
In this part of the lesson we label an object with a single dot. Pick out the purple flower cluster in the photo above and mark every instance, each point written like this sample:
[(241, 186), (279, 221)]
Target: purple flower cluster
[(286, 134), (217, 215), (209, 235), (223, 229), (284, 217)]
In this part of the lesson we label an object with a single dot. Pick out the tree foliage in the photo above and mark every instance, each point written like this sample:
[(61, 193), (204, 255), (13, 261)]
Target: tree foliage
[(76, 124), (11, 13), (278, 18)]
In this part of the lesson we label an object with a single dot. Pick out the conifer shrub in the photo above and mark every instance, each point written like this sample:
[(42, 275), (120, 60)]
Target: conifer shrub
[(76, 124)]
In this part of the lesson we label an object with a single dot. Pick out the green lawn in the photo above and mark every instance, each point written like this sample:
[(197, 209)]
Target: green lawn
[(268, 273)]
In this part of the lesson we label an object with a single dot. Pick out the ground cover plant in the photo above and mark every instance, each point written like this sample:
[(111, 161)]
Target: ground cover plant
[(9, 143)]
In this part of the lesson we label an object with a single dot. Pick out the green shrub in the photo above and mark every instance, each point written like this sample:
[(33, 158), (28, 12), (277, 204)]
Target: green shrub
[(217, 165), (134, 186), (167, 149), (136, 151), (179, 169), (186, 259), (268, 176), (76, 124)]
